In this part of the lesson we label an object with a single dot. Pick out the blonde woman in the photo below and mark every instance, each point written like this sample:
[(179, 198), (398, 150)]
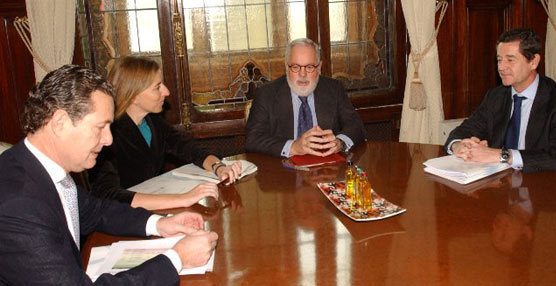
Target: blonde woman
[(142, 140)]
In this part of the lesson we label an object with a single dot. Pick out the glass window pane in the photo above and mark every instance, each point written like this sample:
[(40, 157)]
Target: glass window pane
[(112, 5), (214, 3), (338, 21), (356, 23), (256, 25), (120, 29), (145, 4), (235, 2), (237, 28), (121, 26), (296, 20), (148, 37), (216, 20), (220, 71), (244, 42), (359, 44), (193, 4)]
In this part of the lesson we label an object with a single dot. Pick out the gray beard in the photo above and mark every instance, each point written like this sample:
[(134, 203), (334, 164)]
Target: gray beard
[(300, 92)]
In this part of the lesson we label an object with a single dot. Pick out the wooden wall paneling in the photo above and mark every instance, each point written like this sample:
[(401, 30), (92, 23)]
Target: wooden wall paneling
[(173, 78), (447, 51), (324, 36), (536, 19), (16, 71), (479, 23)]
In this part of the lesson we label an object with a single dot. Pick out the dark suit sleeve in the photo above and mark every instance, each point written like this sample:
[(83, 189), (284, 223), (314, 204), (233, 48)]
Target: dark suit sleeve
[(540, 142), (258, 131), (540, 160), (474, 126), (36, 251), (349, 122)]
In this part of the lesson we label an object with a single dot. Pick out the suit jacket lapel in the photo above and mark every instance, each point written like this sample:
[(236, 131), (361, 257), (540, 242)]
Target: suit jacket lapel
[(285, 107), (38, 173), (537, 115)]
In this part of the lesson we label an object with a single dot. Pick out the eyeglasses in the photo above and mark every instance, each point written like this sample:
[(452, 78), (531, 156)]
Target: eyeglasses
[(308, 68)]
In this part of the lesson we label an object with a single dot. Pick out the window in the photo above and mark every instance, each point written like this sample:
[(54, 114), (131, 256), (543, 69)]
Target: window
[(232, 46)]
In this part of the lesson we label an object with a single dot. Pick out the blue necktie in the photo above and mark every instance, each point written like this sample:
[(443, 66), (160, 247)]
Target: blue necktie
[(304, 119), (512, 133)]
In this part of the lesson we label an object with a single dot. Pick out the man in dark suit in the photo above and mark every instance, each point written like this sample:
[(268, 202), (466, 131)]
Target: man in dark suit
[(43, 214), (525, 139), (302, 112)]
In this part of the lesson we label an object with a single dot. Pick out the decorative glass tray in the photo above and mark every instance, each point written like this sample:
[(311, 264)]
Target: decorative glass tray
[(381, 208)]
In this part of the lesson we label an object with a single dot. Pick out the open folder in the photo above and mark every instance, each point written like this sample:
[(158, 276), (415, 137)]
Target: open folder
[(456, 169), (194, 172)]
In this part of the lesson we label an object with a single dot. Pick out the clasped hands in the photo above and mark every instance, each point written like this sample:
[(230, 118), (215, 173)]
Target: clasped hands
[(316, 142), (475, 150)]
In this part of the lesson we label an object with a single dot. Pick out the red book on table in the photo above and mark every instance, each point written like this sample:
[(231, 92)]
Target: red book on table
[(311, 160)]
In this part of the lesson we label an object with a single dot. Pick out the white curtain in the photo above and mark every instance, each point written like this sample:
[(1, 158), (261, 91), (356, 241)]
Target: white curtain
[(52, 25), (422, 126), (550, 48)]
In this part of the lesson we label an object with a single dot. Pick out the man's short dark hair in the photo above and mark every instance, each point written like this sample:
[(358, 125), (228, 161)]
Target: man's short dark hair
[(529, 41), (68, 88)]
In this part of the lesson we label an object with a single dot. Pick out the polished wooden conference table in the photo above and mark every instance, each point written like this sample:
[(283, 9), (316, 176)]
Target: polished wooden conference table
[(277, 228)]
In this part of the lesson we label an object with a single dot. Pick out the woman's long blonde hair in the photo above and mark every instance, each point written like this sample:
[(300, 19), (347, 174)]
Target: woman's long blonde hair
[(130, 76)]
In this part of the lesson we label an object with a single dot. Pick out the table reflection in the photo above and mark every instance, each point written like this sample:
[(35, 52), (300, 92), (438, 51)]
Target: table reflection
[(276, 228)]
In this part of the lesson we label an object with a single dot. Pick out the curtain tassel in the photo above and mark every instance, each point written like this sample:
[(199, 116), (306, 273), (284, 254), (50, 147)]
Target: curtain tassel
[(417, 95)]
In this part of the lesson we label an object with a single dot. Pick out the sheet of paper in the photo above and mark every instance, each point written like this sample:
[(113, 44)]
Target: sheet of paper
[(96, 259), (460, 171), (166, 184), (123, 255)]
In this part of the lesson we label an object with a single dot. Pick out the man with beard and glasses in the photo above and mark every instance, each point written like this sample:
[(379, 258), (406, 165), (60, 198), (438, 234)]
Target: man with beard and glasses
[(302, 112)]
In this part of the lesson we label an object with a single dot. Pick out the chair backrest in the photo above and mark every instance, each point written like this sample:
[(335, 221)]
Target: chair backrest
[(247, 109), (4, 146), (446, 126)]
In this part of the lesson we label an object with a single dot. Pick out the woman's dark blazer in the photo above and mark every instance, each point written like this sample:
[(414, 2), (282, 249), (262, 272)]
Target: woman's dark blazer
[(130, 161)]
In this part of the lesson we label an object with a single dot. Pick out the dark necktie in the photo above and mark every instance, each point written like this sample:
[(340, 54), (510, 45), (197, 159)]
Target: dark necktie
[(70, 195), (304, 119), (512, 133)]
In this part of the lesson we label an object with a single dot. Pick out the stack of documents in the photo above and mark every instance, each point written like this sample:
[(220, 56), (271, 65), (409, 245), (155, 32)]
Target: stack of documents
[(457, 170), (191, 171), (123, 255)]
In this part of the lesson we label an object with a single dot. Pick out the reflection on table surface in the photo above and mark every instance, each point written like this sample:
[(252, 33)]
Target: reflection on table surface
[(276, 228)]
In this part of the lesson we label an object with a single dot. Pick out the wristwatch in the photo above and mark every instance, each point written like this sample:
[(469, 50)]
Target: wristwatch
[(504, 156)]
